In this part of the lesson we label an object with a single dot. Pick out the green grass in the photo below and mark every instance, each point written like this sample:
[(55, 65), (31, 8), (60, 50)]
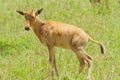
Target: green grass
[(23, 57)]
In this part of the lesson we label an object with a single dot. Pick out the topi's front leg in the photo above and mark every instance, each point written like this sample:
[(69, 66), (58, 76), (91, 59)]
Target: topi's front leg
[(52, 60)]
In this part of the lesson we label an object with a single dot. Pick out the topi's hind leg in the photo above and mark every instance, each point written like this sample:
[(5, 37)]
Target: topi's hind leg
[(81, 54), (89, 66), (82, 65)]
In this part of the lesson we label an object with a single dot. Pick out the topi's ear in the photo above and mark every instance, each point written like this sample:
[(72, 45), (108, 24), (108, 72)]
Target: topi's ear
[(38, 12), (20, 12)]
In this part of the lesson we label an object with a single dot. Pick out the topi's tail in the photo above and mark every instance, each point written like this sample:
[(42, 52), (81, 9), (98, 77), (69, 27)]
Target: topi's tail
[(100, 44)]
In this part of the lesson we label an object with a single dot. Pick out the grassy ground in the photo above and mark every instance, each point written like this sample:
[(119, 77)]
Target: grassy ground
[(22, 57)]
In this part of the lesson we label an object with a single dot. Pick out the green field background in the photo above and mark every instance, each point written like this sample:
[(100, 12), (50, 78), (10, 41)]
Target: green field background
[(23, 57)]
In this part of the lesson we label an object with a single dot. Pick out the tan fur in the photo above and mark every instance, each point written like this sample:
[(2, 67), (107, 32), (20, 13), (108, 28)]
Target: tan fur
[(56, 34)]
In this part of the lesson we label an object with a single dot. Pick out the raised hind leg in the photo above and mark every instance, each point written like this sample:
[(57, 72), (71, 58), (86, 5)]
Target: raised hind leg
[(89, 66), (82, 56), (82, 65)]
